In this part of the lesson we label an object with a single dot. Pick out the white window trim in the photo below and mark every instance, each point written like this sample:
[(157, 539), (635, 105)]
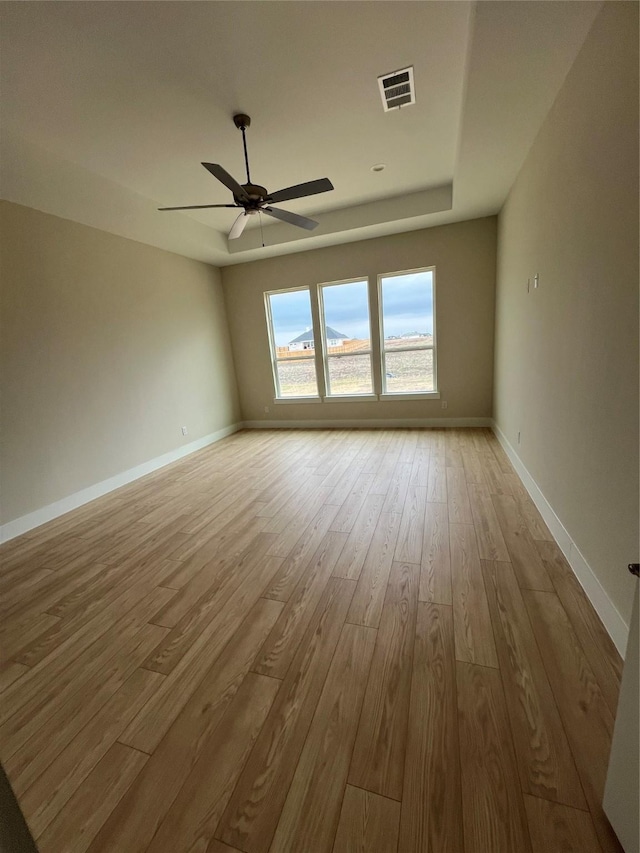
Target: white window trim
[(320, 356), (350, 398), (274, 352), (326, 355), (289, 400), (390, 395)]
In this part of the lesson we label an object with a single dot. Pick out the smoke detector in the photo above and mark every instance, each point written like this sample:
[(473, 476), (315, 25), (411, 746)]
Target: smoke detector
[(397, 89)]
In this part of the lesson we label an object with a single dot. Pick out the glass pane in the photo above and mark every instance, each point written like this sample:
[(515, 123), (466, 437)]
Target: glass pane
[(407, 309), (292, 324), (346, 316), (350, 375), (297, 378), (409, 372)]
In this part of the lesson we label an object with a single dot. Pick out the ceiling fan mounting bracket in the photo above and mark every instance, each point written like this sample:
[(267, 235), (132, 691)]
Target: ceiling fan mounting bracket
[(241, 121)]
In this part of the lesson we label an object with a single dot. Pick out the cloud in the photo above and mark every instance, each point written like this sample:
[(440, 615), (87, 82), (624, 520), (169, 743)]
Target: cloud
[(407, 305)]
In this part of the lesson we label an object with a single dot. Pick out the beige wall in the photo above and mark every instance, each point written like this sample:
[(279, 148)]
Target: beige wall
[(566, 372), (464, 257), (108, 347)]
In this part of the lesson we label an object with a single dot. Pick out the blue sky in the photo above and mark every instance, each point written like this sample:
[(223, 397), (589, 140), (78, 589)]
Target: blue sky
[(407, 301)]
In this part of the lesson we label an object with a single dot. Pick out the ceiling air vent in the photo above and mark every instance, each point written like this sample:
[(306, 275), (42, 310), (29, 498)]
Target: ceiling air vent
[(397, 89)]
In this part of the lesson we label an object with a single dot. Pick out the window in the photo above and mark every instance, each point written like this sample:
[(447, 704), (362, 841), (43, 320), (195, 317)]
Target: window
[(322, 345), (344, 313), (292, 343), (407, 332)]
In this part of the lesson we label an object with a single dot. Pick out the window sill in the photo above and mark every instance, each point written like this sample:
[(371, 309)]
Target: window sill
[(350, 398), (279, 401), (357, 398), (425, 395)]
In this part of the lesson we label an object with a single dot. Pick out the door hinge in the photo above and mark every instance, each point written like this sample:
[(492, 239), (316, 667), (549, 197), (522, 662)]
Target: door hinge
[(634, 568)]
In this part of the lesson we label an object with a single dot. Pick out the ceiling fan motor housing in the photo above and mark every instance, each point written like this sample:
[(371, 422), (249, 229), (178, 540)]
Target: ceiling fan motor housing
[(256, 193)]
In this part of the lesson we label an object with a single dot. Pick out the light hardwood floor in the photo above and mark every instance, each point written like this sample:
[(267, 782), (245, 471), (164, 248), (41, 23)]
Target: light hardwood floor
[(348, 640)]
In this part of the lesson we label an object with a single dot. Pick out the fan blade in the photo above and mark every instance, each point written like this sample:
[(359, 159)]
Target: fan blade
[(199, 206), (238, 226), (322, 185), (292, 218), (224, 177)]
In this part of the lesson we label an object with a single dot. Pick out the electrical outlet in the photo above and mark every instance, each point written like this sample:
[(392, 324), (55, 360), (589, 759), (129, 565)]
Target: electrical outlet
[(185, 431), (444, 404), (266, 410)]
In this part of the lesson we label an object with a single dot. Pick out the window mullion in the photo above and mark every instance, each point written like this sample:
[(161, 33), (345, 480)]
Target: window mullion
[(318, 338), (377, 344)]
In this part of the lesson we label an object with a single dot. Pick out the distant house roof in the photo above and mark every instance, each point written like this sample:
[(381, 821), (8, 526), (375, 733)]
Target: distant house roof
[(330, 334)]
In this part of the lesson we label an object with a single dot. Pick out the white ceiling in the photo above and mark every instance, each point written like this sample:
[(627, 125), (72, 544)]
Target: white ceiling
[(108, 108)]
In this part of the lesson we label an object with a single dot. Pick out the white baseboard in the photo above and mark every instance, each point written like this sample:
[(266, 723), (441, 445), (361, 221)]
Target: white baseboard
[(371, 423), (616, 627), (47, 513)]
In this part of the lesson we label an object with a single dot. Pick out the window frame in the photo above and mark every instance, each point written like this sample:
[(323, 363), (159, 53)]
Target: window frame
[(407, 395), (376, 351), (329, 397), (279, 398)]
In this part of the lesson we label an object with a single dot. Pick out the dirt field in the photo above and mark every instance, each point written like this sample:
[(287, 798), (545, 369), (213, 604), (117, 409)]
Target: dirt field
[(408, 372)]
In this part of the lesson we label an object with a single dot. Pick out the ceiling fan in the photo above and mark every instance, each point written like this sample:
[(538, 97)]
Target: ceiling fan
[(254, 198)]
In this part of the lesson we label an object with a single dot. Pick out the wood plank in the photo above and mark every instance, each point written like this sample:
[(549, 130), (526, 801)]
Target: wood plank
[(25, 634), (527, 564), (497, 482), (353, 554), (435, 571), (545, 762), (366, 607), (77, 824), (194, 814), (431, 797), (378, 756), (65, 640), (11, 672), (560, 829), (397, 491), (437, 488), (135, 821), (55, 786), (528, 510), (472, 623), (597, 645), (420, 468), (473, 468), (31, 743), (348, 512), (279, 649), (492, 807), (491, 544), (368, 823), (458, 497), (410, 535), (48, 686), (295, 564), (251, 817), (588, 722), (311, 811), (210, 624), (297, 521)]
